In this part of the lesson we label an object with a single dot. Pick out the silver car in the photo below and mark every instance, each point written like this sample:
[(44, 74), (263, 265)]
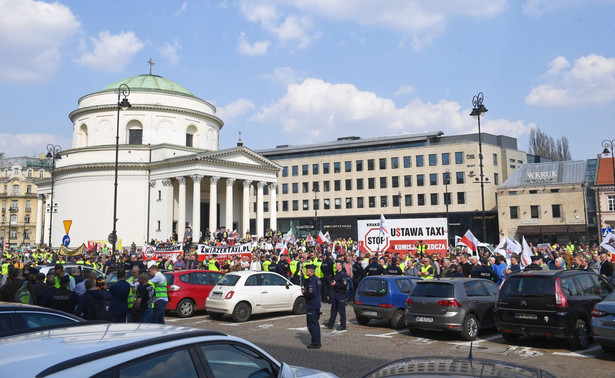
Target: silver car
[(463, 305), (603, 323)]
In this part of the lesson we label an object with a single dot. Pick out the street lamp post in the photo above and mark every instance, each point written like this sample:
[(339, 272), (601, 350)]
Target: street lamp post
[(123, 90), (478, 109), (53, 153), (447, 199)]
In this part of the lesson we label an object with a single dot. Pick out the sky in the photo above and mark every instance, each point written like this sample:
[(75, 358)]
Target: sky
[(309, 71)]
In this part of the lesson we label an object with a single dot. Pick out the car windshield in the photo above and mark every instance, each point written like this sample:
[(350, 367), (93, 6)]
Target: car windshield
[(528, 286), (228, 280), (373, 287), (433, 289)]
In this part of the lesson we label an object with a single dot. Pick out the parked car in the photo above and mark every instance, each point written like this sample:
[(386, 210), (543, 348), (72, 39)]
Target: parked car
[(18, 317), (603, 323), (383, 297), (552, 303), (99, 276), (138, 350), (241, 294), (188, 290), (464, 305)]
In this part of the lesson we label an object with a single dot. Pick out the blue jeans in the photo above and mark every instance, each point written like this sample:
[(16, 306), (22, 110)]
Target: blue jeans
[(158, 313)]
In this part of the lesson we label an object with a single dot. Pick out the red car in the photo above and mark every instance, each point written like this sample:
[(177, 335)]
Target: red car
[(188, 290)]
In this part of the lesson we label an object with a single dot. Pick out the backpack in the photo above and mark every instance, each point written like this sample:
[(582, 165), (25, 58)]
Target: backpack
[(99, 313), (22, 295)]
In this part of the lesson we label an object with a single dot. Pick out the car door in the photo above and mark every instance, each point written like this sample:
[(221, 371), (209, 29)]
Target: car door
[(492, 292), (275, 294), (251, 291), (479, 299), (198, 288)]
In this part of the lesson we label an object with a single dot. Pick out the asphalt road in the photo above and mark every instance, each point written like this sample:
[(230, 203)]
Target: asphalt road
[(361, 349)]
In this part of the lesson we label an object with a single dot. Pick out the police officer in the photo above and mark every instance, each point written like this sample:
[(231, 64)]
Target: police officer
[(394, 268), (482, 271), (284, 267), (295, 270), (374, 269), (311, 292), (327, 270), (357, 271), (338, 299)]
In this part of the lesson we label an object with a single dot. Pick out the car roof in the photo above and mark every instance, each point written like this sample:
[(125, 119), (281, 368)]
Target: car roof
[(40, 353), (551, 273), (451, 280), (12, 306), (390, 277), (184, 271)]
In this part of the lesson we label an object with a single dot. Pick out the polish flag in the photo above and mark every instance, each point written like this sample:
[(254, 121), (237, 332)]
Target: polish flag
[(469, 240), (322, 238), (526, 255)]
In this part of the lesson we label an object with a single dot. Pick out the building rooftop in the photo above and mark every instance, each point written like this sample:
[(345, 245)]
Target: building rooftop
[(547, 174), (605, 174), (149, 82)]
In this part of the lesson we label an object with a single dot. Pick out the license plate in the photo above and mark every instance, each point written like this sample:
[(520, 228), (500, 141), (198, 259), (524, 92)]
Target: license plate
[(526, 316), (370, 313), (423, 319)]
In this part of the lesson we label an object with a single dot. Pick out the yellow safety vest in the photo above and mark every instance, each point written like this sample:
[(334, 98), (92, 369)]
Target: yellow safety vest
[(425, 269), (212, 265), (5, 268), (293, 266), (318, 272), (266, 264), (132, 293), (161, 289)]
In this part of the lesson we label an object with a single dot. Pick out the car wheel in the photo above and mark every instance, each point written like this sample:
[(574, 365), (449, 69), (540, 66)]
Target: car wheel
[(185, 308), (397, 322), (608, 348), (580, 336), (511, 337), (242, 312), (299, 306), (470, 327), (362, 320), (215, 315)]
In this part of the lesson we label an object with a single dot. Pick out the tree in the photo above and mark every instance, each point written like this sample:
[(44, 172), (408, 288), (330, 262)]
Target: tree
[(542, 144)]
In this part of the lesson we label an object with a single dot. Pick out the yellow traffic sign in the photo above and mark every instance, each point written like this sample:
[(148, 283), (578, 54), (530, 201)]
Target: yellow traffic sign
[(67, 224)]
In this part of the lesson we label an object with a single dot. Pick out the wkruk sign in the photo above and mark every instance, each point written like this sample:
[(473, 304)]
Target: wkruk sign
[(402, 235)]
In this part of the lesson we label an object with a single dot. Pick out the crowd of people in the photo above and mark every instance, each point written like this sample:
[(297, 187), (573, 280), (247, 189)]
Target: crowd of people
[(338, 265)]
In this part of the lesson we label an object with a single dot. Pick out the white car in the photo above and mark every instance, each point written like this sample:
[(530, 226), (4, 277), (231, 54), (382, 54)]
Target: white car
[(244, 293), (138, 350)]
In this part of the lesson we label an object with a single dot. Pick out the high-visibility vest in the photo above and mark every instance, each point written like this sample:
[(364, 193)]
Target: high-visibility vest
[(318, 272), (266, 264), (132, 293), (79, 262), (161, 290), (425, 269), (5, 268), (421, 248), (293, 266), (211, 265)]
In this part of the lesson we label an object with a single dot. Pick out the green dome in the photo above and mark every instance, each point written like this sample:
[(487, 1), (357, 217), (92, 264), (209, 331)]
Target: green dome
[(149, 83)]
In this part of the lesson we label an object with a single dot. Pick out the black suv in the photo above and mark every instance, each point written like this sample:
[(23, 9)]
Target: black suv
[(552, 303)]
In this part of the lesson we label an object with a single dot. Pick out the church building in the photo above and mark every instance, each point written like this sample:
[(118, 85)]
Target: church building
[(171, 174)]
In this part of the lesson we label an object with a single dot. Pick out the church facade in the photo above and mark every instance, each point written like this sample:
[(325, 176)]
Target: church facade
[(172, 176)]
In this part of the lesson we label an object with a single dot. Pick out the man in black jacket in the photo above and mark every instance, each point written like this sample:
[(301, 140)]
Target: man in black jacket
[(327, 271), (606, 268)]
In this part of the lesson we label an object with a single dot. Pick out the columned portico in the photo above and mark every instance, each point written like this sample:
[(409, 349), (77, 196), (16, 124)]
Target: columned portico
[(273, 219), (181, 211), (196, 207), (245, 208), (260, 218), (229, 204), (168, 184), (213, 201)]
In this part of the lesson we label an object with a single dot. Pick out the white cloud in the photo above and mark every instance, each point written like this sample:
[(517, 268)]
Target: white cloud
[(181, 9), (404, 89), (418, 22), (589, 80), (169, 51), (291, 29), (31, 36), (258, 48), (320, 111), (538, 7), (235, 109), (286, 76), (14, 145), (112, 52)]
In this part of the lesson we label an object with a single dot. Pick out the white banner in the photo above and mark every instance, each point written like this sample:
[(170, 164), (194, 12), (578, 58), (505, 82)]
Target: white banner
[(153, 252), (403, 235)]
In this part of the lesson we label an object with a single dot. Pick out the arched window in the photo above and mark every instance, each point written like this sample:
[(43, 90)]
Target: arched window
[(83, 136), (135, 132), (191, 132), (13, 219), (27, 220)]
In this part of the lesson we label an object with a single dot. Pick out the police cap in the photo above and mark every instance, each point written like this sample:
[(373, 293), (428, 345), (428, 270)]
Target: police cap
[(310, 266)]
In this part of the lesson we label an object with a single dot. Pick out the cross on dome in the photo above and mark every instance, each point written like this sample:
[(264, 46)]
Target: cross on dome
[(151, 64)]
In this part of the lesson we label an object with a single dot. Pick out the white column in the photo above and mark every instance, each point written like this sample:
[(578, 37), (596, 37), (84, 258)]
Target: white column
[(39, 220), (213, 200), (181, 209), (229, 205), (168, 183), (196, 208), (260, 218), (245, 219), (273, 216)]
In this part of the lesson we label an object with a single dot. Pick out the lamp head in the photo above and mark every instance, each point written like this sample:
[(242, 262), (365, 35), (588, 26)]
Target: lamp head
[(606, 151), (125, 104)]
